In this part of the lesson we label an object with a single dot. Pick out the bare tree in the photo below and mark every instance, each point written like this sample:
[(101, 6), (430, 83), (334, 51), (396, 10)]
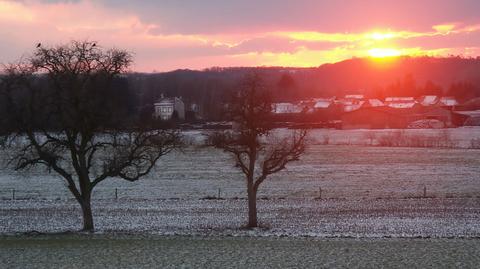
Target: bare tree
[(64, 115), (257, 151)]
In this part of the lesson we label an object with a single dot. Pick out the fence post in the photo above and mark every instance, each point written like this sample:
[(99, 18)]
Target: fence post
[(218, 193), (319, 192), (424, 191), (116, 194)]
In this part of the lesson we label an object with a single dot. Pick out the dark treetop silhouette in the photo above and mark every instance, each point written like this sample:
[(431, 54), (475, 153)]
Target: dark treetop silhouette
[(257, 151), (64, 114)]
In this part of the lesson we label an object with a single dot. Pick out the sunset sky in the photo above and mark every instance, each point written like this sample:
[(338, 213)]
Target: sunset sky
[(171, 34)]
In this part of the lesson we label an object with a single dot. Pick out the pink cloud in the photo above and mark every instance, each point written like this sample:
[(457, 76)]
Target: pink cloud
[(198, 35)]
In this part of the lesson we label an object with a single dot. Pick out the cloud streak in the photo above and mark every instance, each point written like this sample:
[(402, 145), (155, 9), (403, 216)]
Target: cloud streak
[(166, 35)]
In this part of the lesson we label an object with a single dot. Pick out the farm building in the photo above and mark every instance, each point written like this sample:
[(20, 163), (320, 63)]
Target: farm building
[(433, 100), (166, 107), (286, 108), (351, 102), (448, 102), (400, 102), (428, 100), (389, 117)]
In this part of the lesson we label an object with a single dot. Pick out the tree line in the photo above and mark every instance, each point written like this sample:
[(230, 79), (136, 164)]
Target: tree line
[(210, 89)]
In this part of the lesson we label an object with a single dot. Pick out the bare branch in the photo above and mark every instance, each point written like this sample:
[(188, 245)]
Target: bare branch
[(64, 116)]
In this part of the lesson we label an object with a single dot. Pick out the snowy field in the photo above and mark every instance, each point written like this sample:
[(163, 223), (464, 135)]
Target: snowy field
[(461, 137), (226, 252), (366, 191), (406, 218), (341, 171)]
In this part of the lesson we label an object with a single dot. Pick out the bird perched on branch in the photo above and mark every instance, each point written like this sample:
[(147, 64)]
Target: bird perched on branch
[(39, 45)]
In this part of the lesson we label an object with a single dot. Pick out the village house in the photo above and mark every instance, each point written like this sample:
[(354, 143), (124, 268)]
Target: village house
[(168, 107), (322, 110), (448, 102), (373, 103), (351, 102), (288, 112), (400, 102), (428, 100), (286, 108), (321, 103), (433, 100), (357, 112)]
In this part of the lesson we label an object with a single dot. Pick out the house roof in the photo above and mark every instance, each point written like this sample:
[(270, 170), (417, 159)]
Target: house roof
[(401, 104), (352, 107), (286, 108), (284, 104), (322, 103), (167, 101), (399, 99), (448, 101), (428, 100), (373, 103)]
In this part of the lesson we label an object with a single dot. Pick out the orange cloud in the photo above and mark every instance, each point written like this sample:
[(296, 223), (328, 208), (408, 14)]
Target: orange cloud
[(14, 11), (24, 23)]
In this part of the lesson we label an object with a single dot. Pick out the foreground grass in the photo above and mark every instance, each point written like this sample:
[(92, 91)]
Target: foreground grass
[(136, 251)]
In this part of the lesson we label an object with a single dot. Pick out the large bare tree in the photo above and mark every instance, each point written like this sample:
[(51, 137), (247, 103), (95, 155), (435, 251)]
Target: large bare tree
[(64, 115), (256, 150)]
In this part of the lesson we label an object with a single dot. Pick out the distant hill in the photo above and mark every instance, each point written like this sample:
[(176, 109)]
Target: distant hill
[(368, 73), (400, 76)]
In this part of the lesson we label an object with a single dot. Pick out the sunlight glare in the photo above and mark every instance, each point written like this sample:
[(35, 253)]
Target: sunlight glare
[(384, 52), (381, 36)]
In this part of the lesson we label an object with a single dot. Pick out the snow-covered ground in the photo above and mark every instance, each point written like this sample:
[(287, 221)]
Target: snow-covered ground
[(350, 172), (366, 191), (429, 217), (461, 137)]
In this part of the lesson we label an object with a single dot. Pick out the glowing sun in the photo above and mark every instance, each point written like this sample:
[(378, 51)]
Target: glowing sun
[(384, 52)]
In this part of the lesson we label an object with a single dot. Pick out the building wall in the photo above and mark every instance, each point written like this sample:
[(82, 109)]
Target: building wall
[(165, 108), (164, 111)]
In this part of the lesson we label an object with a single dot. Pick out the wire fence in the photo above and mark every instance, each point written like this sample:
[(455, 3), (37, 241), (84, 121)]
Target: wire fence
[(420, 191), (118, 193)]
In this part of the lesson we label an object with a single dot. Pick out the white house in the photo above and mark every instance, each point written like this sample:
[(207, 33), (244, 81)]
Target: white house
[(166, 106), (400, 102), (281, 108), (373, 103), (323, 103), (428, 100), (448, 101), (351, 102)]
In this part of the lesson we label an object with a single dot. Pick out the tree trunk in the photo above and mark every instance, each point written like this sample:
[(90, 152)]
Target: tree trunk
[(252, 206), (87, 215)]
